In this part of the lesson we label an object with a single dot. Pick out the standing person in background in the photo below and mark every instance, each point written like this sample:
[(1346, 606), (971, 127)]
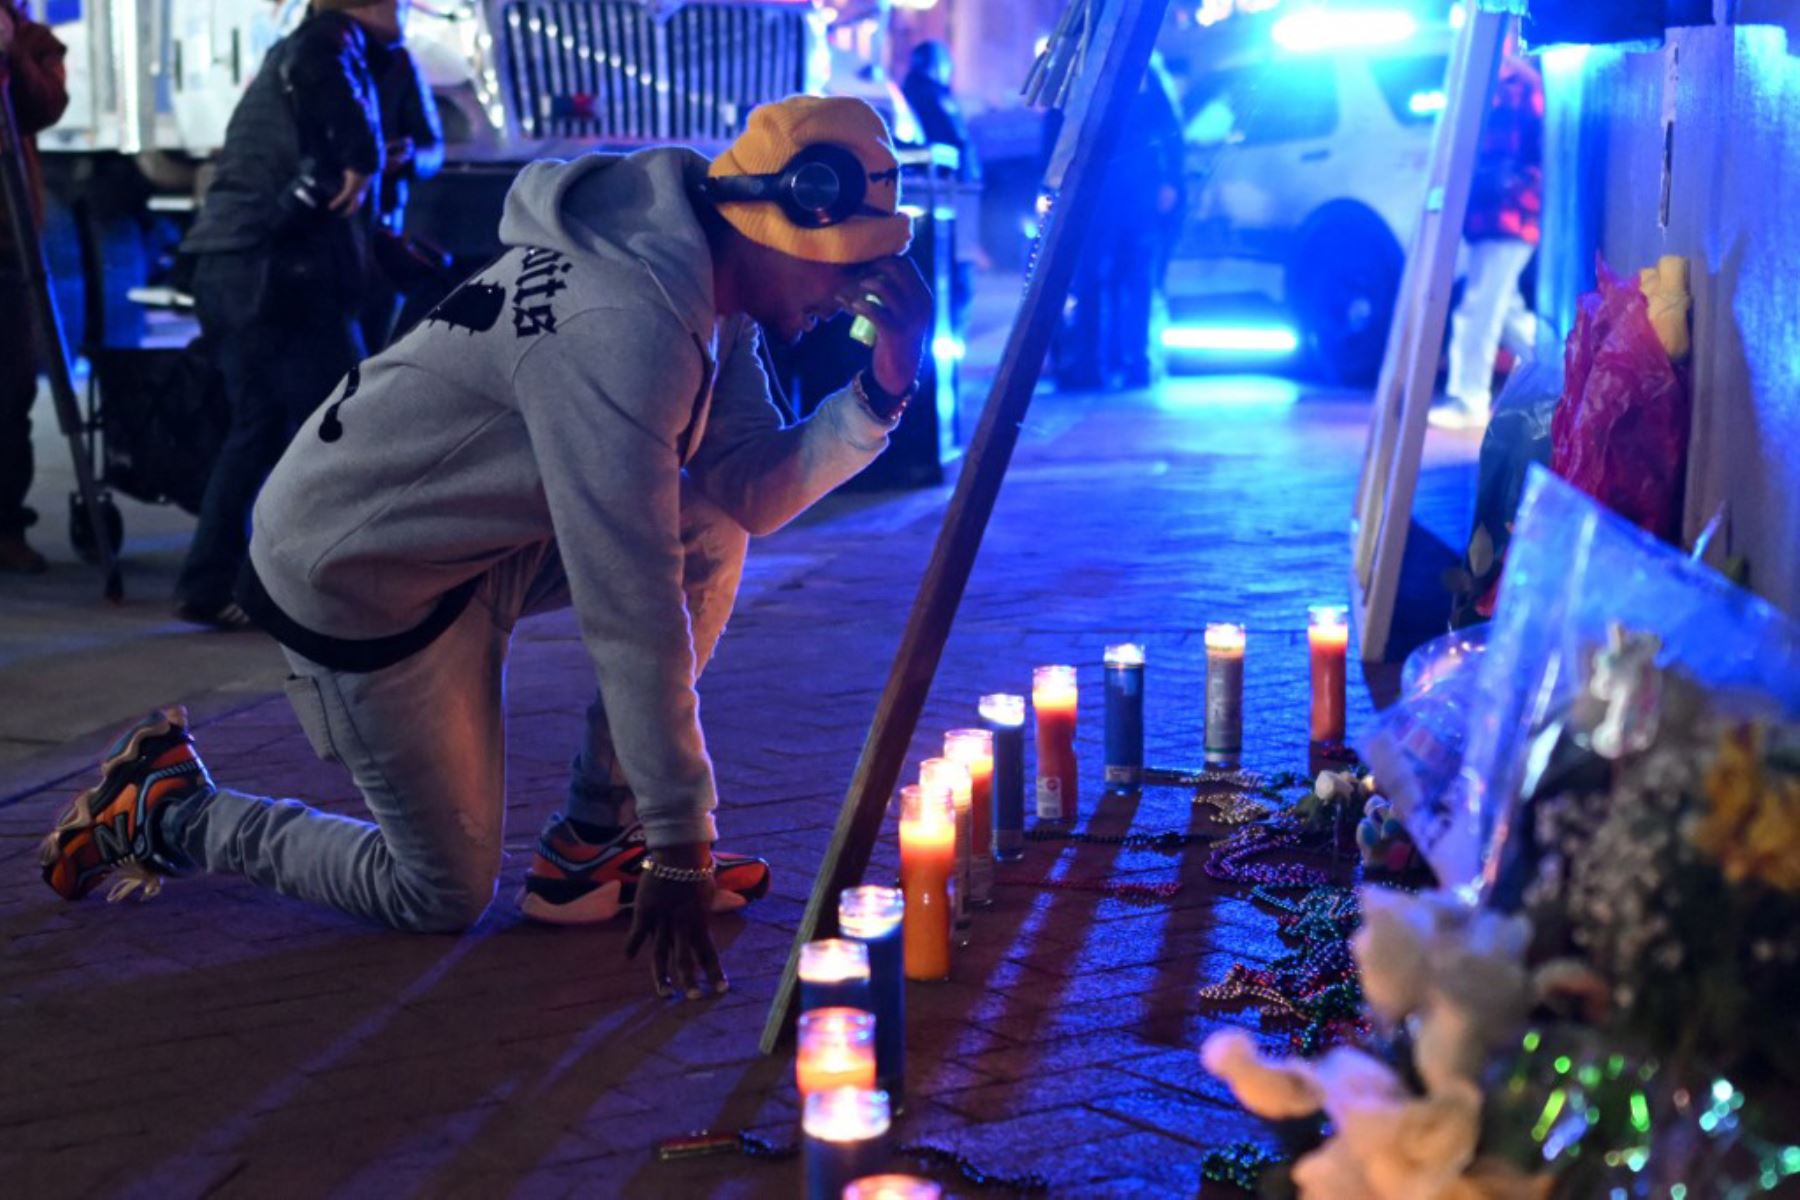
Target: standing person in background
[(1506, 204), (282, 244), (927, 92), (33, 77), (1117, 277), (415, 151)]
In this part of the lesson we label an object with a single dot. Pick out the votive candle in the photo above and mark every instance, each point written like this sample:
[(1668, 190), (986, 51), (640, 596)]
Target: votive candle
[(1225, 645), (1004, 715), (974, 749), (927, 862), (1124, 716), (955, 778), (1328, 644), (837, 1050), (1053, 697), (893, 1187), (835, 973), (872, 916), (845, 1135)]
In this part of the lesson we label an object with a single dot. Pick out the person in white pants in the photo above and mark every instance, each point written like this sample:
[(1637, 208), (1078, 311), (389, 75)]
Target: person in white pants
[(1506, 200), (1493, 313)]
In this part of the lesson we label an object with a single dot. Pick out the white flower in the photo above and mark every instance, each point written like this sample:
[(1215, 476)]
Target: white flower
[(1417, 1150), (1389, 1144), (1332, 1173), (1267, 1087), (1391, 952), (1334, 785)]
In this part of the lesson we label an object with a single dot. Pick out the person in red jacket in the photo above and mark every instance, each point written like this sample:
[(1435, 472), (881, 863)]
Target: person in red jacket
[(1506, 203), (31, 72)]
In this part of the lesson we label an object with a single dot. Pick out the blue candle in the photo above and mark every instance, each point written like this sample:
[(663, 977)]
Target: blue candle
[(846, 1138), (872, 916), (1124, 717), (1005, 716), (834, 973)]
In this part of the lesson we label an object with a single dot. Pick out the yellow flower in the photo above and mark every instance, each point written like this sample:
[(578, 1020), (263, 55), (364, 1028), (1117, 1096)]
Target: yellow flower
[(1752, 825)]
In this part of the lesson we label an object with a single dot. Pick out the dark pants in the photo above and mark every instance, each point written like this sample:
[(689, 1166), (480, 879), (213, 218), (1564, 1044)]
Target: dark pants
[(1114, 283), (279, 358), (18, 389)]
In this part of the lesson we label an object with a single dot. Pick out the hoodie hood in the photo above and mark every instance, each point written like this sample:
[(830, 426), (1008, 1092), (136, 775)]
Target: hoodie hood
[(625, 209)]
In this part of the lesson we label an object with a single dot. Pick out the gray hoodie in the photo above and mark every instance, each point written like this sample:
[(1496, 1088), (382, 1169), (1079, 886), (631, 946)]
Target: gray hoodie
[(558, 396)]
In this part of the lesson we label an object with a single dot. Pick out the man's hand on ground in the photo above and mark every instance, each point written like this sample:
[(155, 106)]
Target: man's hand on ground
[(673, 918), (902, 314)]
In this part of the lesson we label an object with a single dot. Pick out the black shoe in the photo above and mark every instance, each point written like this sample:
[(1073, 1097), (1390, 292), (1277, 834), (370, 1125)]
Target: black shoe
[(18, 558)]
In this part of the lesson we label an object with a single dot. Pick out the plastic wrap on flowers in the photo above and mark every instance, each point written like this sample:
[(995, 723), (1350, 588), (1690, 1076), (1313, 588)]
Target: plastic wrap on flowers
[(1577, 576)]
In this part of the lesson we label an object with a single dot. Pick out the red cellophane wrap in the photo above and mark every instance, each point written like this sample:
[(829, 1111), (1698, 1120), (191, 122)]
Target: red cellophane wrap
[(1620, 433)]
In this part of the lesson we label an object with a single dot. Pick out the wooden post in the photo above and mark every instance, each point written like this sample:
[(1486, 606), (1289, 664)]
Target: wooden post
[(1390, 473), (1117, 56)]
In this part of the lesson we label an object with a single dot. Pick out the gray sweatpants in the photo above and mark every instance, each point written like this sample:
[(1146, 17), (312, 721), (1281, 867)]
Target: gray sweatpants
[(425, 742)]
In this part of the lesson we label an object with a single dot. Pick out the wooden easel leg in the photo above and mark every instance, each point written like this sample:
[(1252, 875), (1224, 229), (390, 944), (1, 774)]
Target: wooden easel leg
[(1123, 51)]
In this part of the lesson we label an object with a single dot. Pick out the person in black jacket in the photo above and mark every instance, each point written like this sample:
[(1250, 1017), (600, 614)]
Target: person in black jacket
[(281, 271), (35, 80), (1121, 264), (928, 94), (415, 151)]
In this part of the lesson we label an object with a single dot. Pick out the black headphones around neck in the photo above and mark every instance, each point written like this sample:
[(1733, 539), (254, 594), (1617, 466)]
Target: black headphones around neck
[(821, 186)]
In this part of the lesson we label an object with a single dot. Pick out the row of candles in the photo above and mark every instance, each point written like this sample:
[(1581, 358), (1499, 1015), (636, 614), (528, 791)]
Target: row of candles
[(967, 811)]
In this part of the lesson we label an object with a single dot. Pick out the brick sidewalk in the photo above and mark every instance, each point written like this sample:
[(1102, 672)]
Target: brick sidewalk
[(222, 1040)]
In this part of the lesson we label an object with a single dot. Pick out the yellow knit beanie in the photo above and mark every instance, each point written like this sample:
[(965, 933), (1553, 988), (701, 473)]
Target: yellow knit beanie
[(774, 134)]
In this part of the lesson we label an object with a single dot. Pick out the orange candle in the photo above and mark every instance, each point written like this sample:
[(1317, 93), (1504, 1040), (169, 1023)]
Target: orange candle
[(974, 749), (837, 1050), (1328, 642), (1224, 689), (893, 1187), (927, 861), (1053, 698)]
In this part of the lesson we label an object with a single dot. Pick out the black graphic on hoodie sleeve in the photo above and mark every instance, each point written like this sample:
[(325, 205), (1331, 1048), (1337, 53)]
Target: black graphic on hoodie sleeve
[(330, 428), (534, 292), (474, 306)]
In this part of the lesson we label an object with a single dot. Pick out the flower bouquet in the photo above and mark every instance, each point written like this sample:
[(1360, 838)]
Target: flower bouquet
[(1603, 997)]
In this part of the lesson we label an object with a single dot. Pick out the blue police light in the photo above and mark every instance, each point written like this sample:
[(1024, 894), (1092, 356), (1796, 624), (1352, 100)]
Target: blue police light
[(1232, 340), (1317, 30), (1425, 104)]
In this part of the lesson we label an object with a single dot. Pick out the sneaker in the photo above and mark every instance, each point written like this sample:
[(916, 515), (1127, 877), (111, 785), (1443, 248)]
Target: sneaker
[(576, 882), (1458, 413), (114, 826)]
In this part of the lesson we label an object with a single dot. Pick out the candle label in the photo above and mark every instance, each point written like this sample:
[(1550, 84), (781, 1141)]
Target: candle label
[(1116, 774), (1224, 703), (1049, 798)]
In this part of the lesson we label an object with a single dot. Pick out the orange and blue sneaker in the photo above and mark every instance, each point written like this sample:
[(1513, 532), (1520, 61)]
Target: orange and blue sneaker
[(114, 826), (573, 881)]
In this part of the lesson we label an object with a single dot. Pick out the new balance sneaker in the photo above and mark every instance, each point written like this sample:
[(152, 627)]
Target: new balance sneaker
[(576, 882), (113, 827)]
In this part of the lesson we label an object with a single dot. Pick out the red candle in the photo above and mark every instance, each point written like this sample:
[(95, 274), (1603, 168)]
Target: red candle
[(927, 861), (1053, 698), (1328, 643)]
